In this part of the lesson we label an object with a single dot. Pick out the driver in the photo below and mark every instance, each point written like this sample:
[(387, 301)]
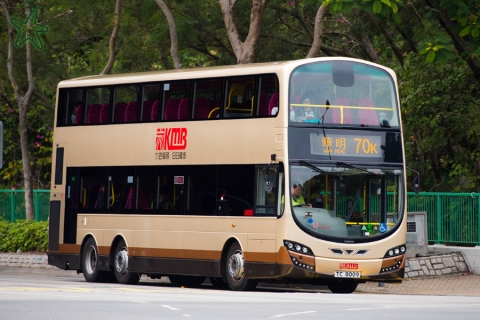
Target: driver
[(297, 198)]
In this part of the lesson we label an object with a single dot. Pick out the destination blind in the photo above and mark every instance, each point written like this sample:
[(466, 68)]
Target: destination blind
[(367, 146)]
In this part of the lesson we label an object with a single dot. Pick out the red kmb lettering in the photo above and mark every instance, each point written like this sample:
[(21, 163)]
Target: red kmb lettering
[(171, 139), (348, 265)]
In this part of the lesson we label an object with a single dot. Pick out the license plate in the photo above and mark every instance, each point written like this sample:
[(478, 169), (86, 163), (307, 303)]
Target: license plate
[(347, 274)]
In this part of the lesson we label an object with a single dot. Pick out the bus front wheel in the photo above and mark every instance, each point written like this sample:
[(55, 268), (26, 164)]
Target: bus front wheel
[(342, 286), (122, 273), (236, 270)]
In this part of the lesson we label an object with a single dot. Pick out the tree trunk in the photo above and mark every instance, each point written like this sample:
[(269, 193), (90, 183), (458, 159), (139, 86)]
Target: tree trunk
[(113, 39), (23, 103), (435, 166), (244, 51), (318, 31), (388, 37), (368, 47), (27, 169), (173, 33)]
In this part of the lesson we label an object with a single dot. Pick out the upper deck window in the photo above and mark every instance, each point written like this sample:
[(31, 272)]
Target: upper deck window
[(240, 97), (207, 98), (176, 100), (343, 93), (126, 104), (150, 102), (97, 106), (74, 105), (268, 99)]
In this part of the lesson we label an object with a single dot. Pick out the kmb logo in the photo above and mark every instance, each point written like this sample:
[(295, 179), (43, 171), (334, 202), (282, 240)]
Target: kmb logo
[(348, 265), (171, 139)]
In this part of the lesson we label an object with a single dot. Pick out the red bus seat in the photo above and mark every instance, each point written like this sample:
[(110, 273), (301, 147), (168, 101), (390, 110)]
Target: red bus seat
[(368, 117), (347, 112), (202, 108), (131, 112), (273, 105), (104, 113), (119, 112), (171, 110), (93, 113), (183, 109)]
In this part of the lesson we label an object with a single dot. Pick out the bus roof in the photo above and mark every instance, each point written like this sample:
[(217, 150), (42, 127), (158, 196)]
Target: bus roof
[(203, 72)]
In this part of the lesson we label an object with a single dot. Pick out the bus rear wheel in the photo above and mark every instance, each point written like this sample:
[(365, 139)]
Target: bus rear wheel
[(236, 270), (90, 262), (121, 267), (342, 286), (187, 281)]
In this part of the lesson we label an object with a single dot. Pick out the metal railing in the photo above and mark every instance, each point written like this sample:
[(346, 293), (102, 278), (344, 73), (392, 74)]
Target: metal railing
[(452, 218), (12, 204)]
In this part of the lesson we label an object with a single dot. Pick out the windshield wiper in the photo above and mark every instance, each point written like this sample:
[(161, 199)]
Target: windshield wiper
[(311, 166), (346, 165)]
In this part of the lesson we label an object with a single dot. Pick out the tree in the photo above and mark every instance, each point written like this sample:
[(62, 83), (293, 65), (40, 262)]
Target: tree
[(244, 51), (23, 101), (173, 33), (318, 31), (113, 37)]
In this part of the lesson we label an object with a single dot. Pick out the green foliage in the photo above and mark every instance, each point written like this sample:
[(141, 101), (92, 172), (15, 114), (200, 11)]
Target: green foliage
[(438, 90), (440, 120), (23, 235)]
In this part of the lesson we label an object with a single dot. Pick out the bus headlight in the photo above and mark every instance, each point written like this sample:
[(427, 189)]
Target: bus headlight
[(396, 251), (297, 247)]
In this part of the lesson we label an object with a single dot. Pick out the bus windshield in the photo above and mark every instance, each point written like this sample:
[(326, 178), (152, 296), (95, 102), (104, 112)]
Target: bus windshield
[(343, 93), (346, 201)]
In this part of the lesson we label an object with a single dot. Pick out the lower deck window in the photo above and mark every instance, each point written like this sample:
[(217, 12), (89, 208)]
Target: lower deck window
[(171, 190)]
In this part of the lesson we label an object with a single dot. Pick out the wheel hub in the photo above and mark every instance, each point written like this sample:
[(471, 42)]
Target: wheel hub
[(235, 265), (91, 259), (121, 261)]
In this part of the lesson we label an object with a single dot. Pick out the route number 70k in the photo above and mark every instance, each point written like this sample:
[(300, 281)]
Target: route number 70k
[(365, 146)]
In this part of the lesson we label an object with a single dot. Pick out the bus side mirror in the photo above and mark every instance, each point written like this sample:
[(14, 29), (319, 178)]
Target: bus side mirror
[(268, 186), (416, 185)]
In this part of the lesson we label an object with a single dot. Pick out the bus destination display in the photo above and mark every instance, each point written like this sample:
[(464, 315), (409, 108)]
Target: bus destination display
[(346, 145)]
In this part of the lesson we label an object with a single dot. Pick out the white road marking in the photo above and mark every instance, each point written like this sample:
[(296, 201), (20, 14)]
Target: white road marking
[(140, 301), (292, 314), (169, 307)]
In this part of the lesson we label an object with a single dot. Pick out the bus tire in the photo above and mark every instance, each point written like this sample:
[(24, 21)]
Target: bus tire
[(342, 286), (121, 264), (218, 283), (90, 262), (235, 267), (187, 281)]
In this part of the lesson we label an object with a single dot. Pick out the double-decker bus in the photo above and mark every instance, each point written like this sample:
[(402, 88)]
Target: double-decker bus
[(275, 172)]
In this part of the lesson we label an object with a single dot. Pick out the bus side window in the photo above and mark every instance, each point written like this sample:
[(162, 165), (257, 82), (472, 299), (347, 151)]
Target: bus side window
[(206, 97), (268, 100), (234, 185), (73, 106), (266, 190), (150, 98), (97, 97), (126, 104), (240, 97), (176, 100)]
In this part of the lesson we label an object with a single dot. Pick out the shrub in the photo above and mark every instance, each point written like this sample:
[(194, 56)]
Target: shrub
[(24, 235)]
